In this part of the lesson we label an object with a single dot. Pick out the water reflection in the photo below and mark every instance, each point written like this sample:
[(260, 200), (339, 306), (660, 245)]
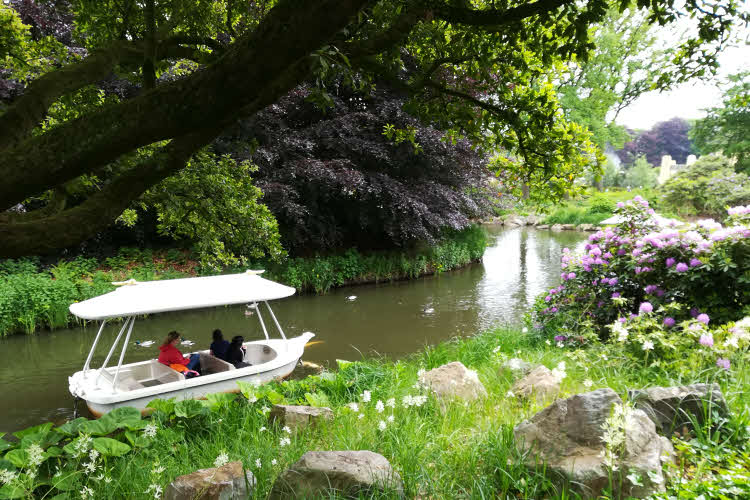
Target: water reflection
[(390, 319)]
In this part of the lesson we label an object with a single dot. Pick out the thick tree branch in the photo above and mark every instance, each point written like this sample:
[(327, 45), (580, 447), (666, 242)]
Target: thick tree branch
[(285, 37), (396, 33), (493, 17)]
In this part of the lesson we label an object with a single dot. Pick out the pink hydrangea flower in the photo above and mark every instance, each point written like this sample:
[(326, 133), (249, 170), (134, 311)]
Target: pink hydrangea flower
[(681, 267), (703, 318), (706, 340), (669, 322), (723, 363), (646, 307)]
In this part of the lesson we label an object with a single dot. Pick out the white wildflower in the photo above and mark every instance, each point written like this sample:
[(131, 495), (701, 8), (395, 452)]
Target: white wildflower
[(285, 441), (619, 329), (286, 429), (35, 454), (379, 406), (732, 341), (107, 479), (588, 383), (6, 476), (273, 461), (391, 418), (604, 357), (258, 463), (648, 345), (221, 460), (90, 467), (524, 330), (353, 407), (158, 469), (31, 473), (421, 372), (381, 425), (560, 345), (265, 409), (496, 350), (262, 429), (361, 416), (93, 455), (391, 403), (150, 430), (156, 490), (252, 399), (87, 492), (366, 396), (548, 342)]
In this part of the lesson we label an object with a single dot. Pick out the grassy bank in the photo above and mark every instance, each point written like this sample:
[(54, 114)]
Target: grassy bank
[(467, 451), (592, 208), (34, 297)]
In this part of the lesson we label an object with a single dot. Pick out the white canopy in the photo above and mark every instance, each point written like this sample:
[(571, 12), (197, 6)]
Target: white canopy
[(134, 298)]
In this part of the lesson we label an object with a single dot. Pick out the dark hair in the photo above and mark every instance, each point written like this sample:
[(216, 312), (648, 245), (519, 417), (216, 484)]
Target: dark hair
[(237, 340), (171, 336), (217, 335)]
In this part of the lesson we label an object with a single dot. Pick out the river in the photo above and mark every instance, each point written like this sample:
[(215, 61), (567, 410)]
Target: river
[(391, 319)]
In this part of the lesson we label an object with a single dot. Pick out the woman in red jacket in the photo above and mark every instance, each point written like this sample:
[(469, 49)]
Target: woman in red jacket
[(170, 355)]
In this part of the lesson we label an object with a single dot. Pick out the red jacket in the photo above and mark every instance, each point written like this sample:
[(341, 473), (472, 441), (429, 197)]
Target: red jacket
[(170, 355)]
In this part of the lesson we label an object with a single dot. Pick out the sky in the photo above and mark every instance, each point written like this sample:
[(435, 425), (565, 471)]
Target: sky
[(687, 100)]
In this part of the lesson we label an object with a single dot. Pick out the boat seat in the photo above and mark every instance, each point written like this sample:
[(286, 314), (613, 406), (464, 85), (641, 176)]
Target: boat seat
[(211, 364), (128, 383)]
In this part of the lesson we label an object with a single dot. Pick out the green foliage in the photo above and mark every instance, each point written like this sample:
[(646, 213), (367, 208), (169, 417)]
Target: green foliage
[(641, 174), (726, 129), (707, 187)]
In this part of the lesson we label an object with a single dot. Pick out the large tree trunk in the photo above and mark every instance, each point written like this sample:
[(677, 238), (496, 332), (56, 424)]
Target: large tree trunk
[(224, 90)]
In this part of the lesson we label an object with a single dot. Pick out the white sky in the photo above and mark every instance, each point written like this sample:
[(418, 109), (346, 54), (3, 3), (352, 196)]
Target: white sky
[(687, 100)]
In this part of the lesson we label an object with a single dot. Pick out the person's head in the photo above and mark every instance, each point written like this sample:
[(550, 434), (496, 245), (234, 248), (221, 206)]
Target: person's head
[(172, 338), (218, 337), (237, 341)]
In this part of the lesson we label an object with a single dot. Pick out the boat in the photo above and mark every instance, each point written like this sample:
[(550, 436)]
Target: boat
[(136, 384)]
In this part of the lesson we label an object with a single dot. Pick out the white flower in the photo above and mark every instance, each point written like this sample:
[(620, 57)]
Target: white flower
[(548, 342), (495, 350), (524, 330), (588, 383), (560, 345), (732, 341), (285, 441), (390, 418), (90, 467), (93, 455), (561, 366), (252, 399), (619, 329), (36, 455), (366, 396), (379, 406), (262, 429), (87, 492), (221, 460), (361, 416), (150, 430), (107, 479), (421, 372), (158, 469), (353, 407), (648, 345), (381, 425), (6, 476), (286, 429), (258, 463), (273, 461), (265, 409), (604, 357), (391, 403), (510, 394), (156, 489)]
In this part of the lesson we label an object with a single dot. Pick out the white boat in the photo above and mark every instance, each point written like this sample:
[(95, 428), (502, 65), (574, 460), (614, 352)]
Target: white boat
[(135, 384)]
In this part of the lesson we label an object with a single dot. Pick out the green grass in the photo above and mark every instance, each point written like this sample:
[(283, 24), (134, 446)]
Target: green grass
[(466, 451), (595, 206)]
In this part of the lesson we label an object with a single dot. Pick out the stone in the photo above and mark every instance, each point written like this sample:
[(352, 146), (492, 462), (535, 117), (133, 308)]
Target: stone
[(532, 220), (454, 380), (514, 221), (298, 417), (556, 227), (349, 473), (542, 226), (228, 482), (568, 227), (585, 227), (540, 383), (518, 366), (304, 369), (567, 437), (676, 408)]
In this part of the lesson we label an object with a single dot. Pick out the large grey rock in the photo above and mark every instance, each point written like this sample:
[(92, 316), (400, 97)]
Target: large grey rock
[(228, 482), (532, 220), (542, 226), (556, 227), (298, 417), (675, 408), (567, 436), (454, 380), (568, 227), (349, 473), (514, 221), (539, 383), (518, 367), (586, 227)]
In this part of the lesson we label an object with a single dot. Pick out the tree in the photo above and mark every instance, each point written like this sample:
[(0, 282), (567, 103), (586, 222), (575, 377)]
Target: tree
[(726, 129), (665, 138), (642, 174), (478, 71)]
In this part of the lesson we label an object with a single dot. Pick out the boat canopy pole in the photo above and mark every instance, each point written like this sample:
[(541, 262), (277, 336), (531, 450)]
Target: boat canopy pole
[(93, 348), (112, 349), (262, 325), (273, 316), (122, 353)]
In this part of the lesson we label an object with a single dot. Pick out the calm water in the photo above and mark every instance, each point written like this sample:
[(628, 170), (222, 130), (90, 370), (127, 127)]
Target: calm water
[(391, 319)]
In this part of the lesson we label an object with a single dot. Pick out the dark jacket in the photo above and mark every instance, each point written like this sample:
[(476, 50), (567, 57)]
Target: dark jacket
[(220, 349), (235, 355)]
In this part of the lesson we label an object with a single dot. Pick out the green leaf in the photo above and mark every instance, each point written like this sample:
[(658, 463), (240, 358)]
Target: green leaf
[(189, 408), (125, 417), (220, 399), (33, 430), (137, 440), (343, 364), (12, 491), (274, 397), (17, 457), (71, 427), (318, 399), (111, 447), (166, 406), (4, 445), (100, 427)]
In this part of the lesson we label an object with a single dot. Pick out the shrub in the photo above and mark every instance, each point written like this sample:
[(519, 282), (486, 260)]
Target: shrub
[(638, 268)]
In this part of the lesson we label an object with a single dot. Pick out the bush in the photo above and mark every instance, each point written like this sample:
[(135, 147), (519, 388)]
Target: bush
[(638, 268)]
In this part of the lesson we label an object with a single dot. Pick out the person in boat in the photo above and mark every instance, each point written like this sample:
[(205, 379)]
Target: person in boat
[(236, 352), (219, 346), (170, 355)]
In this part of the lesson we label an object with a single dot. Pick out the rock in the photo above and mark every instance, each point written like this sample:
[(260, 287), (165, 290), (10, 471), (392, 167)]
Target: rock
[(304, 369), (568, 227), (556, 227), (585, 227), (532, 220), (542, 226), (672, 408), (540, 382), (514, 221), (518, 366), (349, 473), (454, 380), (567, 436), (298, 417), (228, 482), (594, 228)]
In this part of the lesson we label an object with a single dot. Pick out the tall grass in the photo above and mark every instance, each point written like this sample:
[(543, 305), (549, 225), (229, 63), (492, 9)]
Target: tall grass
[(32, 298)]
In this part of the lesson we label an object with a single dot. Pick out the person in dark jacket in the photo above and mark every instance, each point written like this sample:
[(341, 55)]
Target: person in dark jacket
[(236, 352), (170, 355), (219, 346)]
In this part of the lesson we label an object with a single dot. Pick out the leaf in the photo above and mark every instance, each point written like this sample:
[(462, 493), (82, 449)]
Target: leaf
[(125, 417), (17, 457), (53, 452), (111, 447), (33, 430), (71, 427), (274, 397), (4, 445), (100, 427), (166, 406), (137, 440), (189, 408), (220, 399), (343, 364), (12, 491), (318, 399)]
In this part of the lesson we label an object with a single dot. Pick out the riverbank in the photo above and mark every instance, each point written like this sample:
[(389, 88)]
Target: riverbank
[(440, 450), (33, 298)]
